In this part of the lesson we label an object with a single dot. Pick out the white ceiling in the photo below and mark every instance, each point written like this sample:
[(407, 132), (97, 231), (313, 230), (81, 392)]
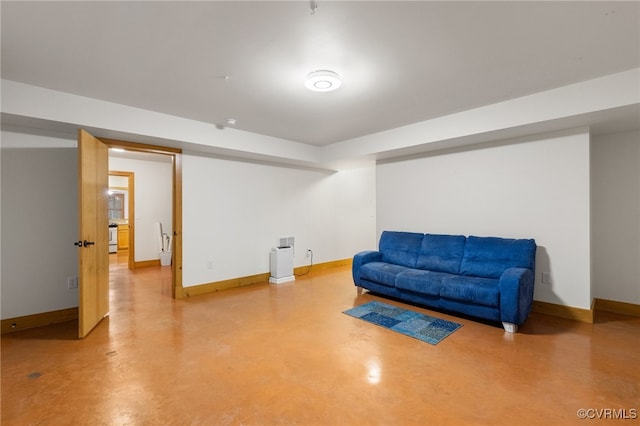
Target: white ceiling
[(401, 62)]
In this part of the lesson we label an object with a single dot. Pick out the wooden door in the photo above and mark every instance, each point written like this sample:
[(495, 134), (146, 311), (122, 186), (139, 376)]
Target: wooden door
[(93, 264)]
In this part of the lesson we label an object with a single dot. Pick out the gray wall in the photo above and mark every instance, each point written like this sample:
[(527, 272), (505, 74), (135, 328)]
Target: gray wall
[(534, 187), (39, 226), (39, 222), (234, 213), (615, 197)]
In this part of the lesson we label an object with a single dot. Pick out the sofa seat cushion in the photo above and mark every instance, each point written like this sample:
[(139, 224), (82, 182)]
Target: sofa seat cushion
[(381, 272), (481, 291), (419, 281)]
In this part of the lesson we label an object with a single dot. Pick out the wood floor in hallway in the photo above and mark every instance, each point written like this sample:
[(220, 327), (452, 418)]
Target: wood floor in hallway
[(285, 354)]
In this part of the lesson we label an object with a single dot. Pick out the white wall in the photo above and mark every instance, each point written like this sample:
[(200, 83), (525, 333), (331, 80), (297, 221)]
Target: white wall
[(39, 226), (536, 187), (615, 184), (153, 182), (234, 213)]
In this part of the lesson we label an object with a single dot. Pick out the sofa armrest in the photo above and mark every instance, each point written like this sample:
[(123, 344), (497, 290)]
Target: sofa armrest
[(360, 259), (516, 295)]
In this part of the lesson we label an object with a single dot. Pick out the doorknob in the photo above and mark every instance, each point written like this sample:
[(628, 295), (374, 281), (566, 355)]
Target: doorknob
[(78, 243), (87, 243)]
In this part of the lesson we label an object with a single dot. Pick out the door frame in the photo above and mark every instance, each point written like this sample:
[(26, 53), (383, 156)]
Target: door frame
[(177, 290)]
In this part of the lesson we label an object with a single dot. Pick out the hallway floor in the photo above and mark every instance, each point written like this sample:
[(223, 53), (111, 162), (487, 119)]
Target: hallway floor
[(285, 354)]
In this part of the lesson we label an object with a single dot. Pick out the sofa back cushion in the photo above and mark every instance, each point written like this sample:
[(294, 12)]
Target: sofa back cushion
[(400, 248), (441, 253), (489, 257)]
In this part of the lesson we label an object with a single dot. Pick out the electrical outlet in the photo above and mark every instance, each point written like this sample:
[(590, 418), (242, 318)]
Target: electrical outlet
[(309, 252), (546, 278), (210, 264), (72, 282)]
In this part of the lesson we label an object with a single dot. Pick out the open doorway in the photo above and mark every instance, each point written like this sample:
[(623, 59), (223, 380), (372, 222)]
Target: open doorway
[(153, 201), (140, 213)]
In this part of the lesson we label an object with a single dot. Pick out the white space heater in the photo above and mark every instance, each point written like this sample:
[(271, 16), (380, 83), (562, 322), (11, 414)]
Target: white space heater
[(281, 265)]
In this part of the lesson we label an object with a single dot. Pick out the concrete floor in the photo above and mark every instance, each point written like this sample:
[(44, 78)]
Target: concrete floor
[(285, 354)]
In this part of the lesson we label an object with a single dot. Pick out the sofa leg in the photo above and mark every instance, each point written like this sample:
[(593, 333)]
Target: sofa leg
[(510, 327), (359, 290)]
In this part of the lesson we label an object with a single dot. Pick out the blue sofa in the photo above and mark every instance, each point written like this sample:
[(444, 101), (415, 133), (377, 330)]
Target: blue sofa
[(484, 277)]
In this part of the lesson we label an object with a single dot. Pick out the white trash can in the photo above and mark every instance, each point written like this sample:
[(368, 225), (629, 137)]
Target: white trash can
[(165, 258)]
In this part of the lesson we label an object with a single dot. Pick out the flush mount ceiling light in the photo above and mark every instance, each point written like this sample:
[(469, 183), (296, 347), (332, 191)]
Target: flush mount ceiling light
[(322, 81)]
